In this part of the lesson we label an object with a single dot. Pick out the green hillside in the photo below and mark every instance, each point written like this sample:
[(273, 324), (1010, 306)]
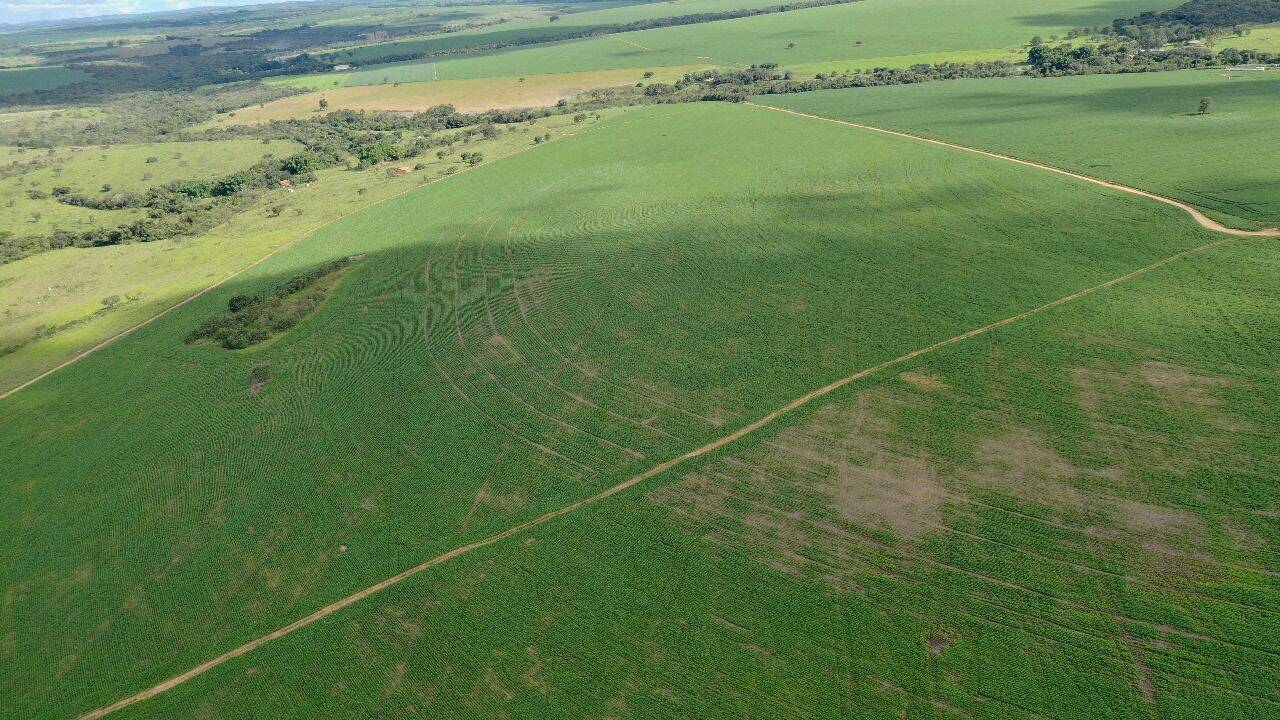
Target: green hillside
[(548, 326)]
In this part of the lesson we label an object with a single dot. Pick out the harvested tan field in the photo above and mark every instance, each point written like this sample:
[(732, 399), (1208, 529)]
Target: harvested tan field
[(473, 95)]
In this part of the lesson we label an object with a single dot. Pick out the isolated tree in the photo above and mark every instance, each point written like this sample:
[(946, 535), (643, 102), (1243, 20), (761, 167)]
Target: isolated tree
[(554, 18), (324, 104), (1206, 104), (790, 45), (648, 74)]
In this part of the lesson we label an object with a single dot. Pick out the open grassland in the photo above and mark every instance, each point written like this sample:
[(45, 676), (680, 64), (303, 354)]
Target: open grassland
[(841, 36), (1071, 518), (29, 208), (1260, 37), (1142, 129), (466, 95), (55, 304), (19, 81), (540, 329)]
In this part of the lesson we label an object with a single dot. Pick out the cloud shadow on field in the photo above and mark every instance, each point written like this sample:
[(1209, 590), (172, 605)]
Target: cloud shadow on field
[(1111, 100), (1100, 13)]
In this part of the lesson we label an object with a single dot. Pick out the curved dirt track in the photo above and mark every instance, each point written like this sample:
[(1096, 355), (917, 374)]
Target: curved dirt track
[(649, 474), (1205, 221)]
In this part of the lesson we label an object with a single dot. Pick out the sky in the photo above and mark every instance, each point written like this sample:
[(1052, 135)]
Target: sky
[(16, 11)]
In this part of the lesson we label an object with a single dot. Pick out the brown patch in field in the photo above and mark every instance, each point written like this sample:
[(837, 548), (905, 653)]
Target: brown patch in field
[(503, 351), (1243, 538), (64, 665), (1142, 517), (531, 289), (937, 643), (923, 380), (494, 684), (808, 501), (533, 675), (489, 499), (1180, 392), (1181, 384), (1022, 464)]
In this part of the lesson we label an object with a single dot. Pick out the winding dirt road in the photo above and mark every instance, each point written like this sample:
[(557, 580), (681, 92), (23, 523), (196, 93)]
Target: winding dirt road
[(1205, 221)]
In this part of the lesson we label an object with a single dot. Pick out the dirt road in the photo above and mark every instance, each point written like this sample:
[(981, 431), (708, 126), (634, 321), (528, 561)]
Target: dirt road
[(1204, 220)]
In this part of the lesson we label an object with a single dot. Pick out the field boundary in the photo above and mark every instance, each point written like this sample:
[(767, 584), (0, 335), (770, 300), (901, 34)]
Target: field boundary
[(1204, 220), (197, 294), (649, 474)]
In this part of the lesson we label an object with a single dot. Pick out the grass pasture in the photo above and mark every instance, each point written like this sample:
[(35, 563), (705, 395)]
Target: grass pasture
[(1142, 129), (466, 95), (1260, 37), (19, 81), (541, 328), (842, 36), (51, 304), (122, 168)]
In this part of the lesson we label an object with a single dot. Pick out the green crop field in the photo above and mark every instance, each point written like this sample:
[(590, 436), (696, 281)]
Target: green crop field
[(986, 530), (990, 532), (1142, 129), (17, 81), (102, 172), (634, 376), (861, 34)]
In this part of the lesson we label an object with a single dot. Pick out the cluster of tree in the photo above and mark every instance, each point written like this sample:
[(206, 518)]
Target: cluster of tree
[(251, 319), (768, 79), (1215, 13), (1195, 20), (1119, 56)]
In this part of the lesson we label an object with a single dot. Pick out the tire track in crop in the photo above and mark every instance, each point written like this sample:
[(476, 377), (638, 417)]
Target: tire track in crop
[(473, 359), (555, 385), (654, 471), (523, 306), (1204, 220)]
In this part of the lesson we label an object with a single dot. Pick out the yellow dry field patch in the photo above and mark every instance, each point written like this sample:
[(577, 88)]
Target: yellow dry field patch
[(472, 95)]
